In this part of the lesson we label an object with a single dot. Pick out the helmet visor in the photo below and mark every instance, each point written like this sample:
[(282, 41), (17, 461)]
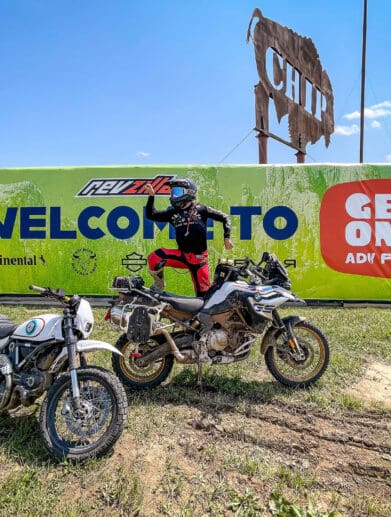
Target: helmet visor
[(177, 192)]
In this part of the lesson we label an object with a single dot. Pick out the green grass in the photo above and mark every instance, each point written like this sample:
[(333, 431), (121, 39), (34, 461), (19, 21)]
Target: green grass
[(233, 476)]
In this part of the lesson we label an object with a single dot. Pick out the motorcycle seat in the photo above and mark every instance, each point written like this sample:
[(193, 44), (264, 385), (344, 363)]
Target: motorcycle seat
[(181, 303), (7, 326)]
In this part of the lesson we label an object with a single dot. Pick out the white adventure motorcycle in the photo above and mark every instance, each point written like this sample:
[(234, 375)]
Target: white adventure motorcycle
[(85, 408), (241, 306)]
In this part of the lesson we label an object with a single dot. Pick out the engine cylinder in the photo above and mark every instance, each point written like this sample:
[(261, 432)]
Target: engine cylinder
[(218, 340)]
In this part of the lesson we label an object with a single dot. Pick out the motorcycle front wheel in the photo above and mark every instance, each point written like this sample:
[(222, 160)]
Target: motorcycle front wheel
[(91, 428), (134, 375), (299, 373)]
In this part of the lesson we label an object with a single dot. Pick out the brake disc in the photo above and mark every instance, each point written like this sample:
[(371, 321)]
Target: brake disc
[(91, 415)]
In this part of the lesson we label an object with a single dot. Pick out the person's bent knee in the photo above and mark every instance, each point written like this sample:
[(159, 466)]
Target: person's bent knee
[(155, 262)]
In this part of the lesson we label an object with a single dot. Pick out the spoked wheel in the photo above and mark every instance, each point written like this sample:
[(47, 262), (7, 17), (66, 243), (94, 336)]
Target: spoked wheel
[(300, 373), (92, 427), (132, 372)]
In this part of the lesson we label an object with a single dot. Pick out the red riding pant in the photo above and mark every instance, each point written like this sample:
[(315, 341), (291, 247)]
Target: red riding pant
[(197, 264)]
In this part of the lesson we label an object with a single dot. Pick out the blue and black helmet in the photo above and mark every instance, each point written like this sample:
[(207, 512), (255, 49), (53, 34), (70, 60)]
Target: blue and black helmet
[(183, 190)]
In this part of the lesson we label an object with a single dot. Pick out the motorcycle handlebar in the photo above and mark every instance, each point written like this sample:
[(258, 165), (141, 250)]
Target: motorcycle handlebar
[(58, 294), (258, 272), (39, 289), (248, 267)]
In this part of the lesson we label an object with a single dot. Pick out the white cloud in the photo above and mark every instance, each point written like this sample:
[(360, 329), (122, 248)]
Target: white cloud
[(388, 158), (347, 130), (382, 109), (375, 124), (143, 154), (351, 116), (384, 104)]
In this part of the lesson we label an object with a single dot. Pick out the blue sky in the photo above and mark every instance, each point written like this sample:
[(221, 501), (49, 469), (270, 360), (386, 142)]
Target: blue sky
[(97, 82)]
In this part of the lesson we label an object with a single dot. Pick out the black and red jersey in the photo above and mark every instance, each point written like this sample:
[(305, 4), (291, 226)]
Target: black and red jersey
[(189, 223)]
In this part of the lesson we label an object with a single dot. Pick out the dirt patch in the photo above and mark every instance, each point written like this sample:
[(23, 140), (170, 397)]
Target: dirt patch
[(182, 458), (347, 454), (375, 385)]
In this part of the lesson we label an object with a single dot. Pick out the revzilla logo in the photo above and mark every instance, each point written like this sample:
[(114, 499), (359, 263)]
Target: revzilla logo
[(109, 187), (355, 228)]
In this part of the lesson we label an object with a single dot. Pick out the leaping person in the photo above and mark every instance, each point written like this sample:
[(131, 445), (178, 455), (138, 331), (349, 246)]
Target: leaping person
[(189, 219)]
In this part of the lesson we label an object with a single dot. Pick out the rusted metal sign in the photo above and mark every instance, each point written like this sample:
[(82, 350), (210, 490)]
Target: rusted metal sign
[(291, 74)]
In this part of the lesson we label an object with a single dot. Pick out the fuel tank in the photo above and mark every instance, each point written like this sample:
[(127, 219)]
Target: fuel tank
[(40, 328)]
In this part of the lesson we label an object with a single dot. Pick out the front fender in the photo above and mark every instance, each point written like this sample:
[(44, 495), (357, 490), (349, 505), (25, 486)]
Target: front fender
[(84, 345), (92, 345), (271, 333)]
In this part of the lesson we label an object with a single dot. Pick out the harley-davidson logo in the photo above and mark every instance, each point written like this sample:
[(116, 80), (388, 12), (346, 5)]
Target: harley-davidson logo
[(134, 262)]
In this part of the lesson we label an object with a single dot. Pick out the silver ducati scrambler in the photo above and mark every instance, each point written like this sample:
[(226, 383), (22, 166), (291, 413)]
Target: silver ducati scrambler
[(84, 411), (159, 327)]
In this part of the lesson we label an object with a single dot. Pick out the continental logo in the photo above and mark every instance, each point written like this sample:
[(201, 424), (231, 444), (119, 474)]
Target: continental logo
[(110, 187), (355, 228), (33, 260)]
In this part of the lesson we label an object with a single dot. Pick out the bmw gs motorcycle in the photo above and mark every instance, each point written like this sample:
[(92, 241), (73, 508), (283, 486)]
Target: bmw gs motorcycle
[(160, 327), (84, 411)]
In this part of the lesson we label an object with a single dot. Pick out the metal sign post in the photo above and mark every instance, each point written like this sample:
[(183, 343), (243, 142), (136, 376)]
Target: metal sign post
[(297, 83)]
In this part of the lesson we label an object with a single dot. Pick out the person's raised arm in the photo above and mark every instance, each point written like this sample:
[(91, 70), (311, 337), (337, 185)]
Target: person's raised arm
[(150, 210), (149, 189)]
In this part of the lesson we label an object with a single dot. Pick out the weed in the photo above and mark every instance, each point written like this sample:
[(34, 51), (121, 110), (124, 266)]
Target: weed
[(281, 507), (245, 505), (209, 453), (172, 481), (298, 480), (370, 507), (24, 492), (350, 403), (122, 492), (20, 435), (249, 464)]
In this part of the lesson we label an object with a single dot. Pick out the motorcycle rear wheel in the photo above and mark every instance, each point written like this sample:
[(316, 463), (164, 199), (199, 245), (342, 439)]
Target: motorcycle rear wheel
[(299, 373), (92, 430), (139, 377)]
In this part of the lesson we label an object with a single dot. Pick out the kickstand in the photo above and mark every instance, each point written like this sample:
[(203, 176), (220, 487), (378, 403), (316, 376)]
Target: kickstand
[(199, 375)]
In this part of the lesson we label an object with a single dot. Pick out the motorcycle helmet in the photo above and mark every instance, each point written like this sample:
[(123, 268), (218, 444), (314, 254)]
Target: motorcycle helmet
[(183, 190)]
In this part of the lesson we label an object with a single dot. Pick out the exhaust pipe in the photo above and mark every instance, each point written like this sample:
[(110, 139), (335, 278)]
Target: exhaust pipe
[(6, 370), (179, 357)]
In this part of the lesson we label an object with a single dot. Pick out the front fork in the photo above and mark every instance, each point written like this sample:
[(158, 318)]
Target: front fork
[(70, 341), (289, 336)]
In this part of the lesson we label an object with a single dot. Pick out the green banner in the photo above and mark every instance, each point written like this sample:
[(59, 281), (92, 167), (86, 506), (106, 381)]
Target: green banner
[(76, 228)]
